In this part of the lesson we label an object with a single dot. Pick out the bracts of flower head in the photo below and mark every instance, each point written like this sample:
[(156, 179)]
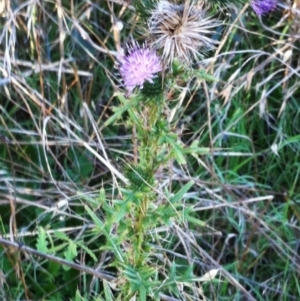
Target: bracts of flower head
[(262, 7), (181, 31), (140, 65)]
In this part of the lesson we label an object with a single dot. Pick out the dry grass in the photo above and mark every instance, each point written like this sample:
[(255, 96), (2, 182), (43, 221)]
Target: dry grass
[(58, 86)]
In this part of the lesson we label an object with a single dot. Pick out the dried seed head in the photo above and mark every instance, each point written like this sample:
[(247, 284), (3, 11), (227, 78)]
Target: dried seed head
[(181, 31)]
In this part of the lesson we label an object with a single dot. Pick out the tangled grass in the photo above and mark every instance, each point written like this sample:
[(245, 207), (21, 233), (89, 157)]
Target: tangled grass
[(63, 158)]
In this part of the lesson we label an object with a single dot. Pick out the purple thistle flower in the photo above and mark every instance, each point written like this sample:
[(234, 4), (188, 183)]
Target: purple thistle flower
[(262, 7), (139, 66)]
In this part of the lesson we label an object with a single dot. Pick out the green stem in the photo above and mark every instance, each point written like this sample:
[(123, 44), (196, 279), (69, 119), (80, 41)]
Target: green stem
[(138, 260), (148, 156)]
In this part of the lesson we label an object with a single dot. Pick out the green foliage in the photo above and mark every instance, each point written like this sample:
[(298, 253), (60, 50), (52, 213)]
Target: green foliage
[(144, 7), (140, 280), (225, 3), (140, 178), (42, 241)]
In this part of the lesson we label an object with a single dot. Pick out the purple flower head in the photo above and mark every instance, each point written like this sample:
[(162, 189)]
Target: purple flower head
[(139, 66), (262, 7)]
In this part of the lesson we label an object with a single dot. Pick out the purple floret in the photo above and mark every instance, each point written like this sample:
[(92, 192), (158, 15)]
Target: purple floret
[(262, 7), (140, 65)]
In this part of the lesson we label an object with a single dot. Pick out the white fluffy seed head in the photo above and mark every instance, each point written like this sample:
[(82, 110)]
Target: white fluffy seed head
[(182, 32)]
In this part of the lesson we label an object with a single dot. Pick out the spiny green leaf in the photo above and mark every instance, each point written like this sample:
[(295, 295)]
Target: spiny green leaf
[(119, 111), (107, 291), (180, 194), (177, 150), (70, 254), (78, 296), (61, 235), (89, 251), (102, 196), (120, 213), (195, 221), (110, 239), (94, 217), (201, 74), (92, 201), (42, 241)]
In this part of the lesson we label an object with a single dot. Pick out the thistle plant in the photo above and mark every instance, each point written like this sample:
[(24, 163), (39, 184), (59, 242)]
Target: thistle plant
[(176, 32), (144, 206)]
